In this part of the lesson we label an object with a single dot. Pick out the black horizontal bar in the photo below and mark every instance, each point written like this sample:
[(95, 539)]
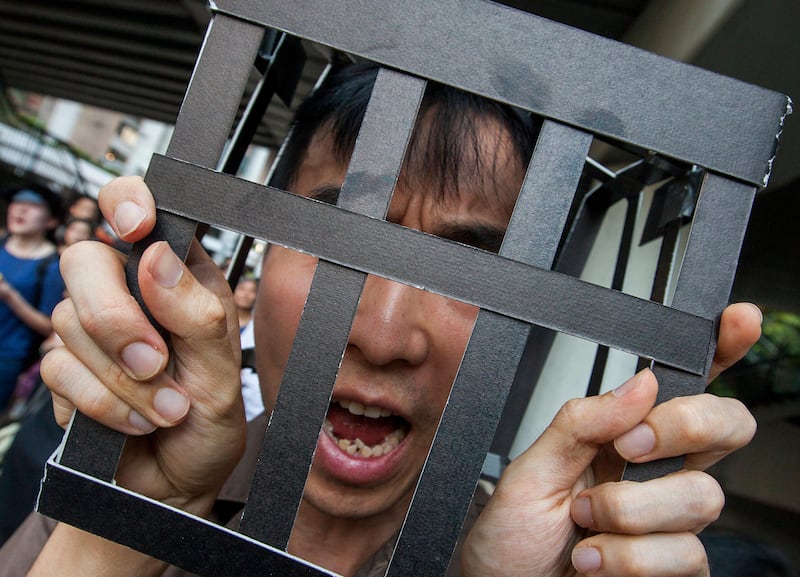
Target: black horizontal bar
[(172, 535), (534, 295), (554, 70)]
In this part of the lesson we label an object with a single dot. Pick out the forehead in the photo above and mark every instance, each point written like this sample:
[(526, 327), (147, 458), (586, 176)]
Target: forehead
[(28, 203), (73, 224), (479, 170), (85, 202)]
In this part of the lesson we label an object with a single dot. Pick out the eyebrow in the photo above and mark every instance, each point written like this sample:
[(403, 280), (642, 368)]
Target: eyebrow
[(478, 235)]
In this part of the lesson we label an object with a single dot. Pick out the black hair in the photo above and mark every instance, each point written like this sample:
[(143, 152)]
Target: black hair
[(338, 106)]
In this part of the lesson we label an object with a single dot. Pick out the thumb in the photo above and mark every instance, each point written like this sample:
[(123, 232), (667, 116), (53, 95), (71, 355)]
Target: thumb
[(580, 429)]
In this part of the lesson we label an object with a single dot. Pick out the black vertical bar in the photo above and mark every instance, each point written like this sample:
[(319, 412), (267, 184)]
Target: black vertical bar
[(570, 259), (703, 288), (664, 269), (621, 266), (284, 62), (666, 261), (324, 328), (487, 370)]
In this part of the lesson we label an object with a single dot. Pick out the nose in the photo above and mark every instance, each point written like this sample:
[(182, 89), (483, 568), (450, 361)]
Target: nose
[(390, 323)]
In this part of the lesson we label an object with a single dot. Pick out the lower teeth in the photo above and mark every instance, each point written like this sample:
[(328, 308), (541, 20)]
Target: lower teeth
[(359, 448)]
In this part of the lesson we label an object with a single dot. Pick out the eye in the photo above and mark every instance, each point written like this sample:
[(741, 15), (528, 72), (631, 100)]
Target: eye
[(326, 194)]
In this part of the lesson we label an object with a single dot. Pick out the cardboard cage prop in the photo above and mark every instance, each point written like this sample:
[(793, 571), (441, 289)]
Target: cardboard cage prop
[(687, 125)]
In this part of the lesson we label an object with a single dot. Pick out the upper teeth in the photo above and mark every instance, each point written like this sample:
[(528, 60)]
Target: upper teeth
[(370, 411)]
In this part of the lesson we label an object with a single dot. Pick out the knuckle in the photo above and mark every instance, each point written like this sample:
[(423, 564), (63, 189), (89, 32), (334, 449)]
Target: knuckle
[(629, 562), (571, 413), (62, 410), (695, 554), (75, 256), (693, 422), (619, 515), (97, 322), (50, 368), (745, 421), (62, 315), (710, 498), (97, 404), (212, 319)]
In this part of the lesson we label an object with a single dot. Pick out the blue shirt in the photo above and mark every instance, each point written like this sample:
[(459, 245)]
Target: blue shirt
[(16, 338)]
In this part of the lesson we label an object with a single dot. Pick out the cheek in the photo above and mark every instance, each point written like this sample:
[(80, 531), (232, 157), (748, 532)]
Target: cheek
[(453, 326), (42, 219), (285, 280)]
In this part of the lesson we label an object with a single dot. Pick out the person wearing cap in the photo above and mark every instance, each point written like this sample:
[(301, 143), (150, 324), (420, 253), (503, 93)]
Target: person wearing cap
[(30, 281)]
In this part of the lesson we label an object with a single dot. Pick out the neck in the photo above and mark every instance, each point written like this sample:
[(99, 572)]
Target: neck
[(341, 545), (29, 245)]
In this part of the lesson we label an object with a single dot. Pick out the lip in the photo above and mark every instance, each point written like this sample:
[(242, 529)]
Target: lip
[(354, 470)]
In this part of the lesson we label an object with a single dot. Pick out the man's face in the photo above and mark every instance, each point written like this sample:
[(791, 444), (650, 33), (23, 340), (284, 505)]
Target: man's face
[(405, 345), (244, 296), (77, 231), (84, 208), (27, 218)]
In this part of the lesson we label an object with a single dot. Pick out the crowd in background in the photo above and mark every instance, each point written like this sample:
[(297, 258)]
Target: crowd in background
[(40, 224)]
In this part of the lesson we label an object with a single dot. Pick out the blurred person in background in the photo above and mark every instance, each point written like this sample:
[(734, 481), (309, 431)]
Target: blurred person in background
[(30, 281), (244, 297), (76, 230), (36, 433), (85, 208)]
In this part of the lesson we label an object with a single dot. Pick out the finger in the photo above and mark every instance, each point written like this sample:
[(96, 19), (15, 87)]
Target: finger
[(567, 447), (74, 385), (203, 326), (139, 350), (655, 555), (62, 410), (703, 427), (161, 399), (128, 206), (683, 501), (209, 274), (740, 328)]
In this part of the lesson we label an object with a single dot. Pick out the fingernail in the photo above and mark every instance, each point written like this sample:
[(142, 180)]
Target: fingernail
[(137, 421), (127, 217), (637, 442), (166, 267), (170, 404), (586, 559), (582, 512), (760, 312), (143, 361), (629, 385)]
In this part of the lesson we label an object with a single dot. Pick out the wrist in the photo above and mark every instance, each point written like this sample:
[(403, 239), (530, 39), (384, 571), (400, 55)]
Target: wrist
[(71, 551)]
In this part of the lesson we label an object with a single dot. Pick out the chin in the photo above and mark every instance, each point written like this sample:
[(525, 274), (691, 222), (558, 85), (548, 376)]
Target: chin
[(356, 503)]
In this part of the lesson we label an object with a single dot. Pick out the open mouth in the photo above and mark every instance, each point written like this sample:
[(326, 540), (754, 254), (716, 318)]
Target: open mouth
[(364, 431)]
